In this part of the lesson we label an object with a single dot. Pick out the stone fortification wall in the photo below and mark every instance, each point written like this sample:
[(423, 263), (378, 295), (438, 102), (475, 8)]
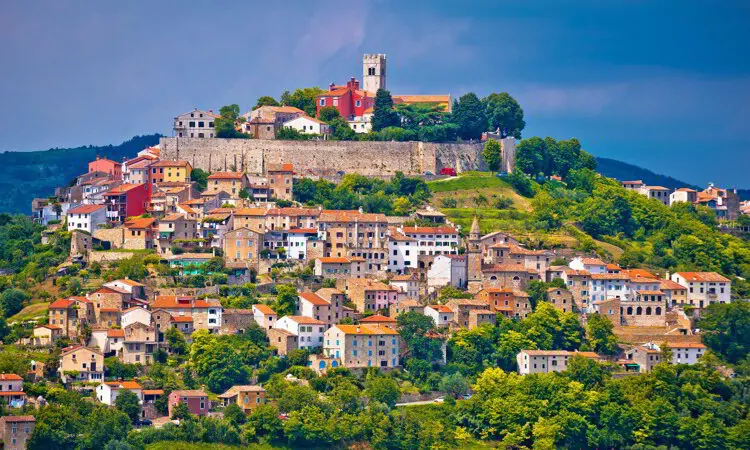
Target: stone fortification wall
[(324, 158)]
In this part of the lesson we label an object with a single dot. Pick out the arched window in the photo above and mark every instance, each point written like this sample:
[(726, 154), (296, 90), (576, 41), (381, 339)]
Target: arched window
[(516, 278), (630, 310), (493, 278), (648, 311), (658, 310), (639, 311)]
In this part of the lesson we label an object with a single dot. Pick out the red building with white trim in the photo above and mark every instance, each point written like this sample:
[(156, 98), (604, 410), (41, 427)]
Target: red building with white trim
[(349, 100)]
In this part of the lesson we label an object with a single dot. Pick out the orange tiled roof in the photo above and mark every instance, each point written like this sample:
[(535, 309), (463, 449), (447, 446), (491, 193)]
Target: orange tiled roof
[(440, 308), (61, 304), (334, 260), (285, 167), (377, 318), (226, 176), (85, 209), (140, 222), (171, 164), (305, 320), (314, 299), (182, 319), (122, 189), (431, 230), (10, 377), (671, 285), (265, 309), (116, 333), (365, 330), (710, 277)]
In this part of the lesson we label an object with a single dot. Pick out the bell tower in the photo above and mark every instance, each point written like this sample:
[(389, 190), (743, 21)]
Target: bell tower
[(373, 72), (474, 257)]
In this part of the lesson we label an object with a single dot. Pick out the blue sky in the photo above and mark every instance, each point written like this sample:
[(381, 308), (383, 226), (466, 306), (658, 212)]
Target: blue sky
[(661, 84)]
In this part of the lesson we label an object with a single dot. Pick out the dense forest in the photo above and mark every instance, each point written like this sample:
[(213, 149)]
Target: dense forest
[(27, 175)]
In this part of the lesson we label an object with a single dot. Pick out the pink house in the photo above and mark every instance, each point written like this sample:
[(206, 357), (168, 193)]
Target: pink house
[(113, 168), (196, 401)]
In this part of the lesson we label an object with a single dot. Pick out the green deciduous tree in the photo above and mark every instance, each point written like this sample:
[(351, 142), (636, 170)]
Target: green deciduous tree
[(328, 114), (265, 100), (226, 123), (303, 99), (469, 114), (200, 178), (382, 389), (492, 154), (504, 114), (600, 335), (726, 330), (128, 403)]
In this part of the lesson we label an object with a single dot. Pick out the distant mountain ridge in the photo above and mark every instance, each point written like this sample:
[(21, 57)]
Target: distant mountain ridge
[(625, 172), (27, 175)]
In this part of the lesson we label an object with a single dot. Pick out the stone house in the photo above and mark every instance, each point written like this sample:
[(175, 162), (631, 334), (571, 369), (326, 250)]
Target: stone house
[(479, 317), (139, 345), (78, 363), (15, 431), (309, 331), (404, 306), (11, 390), (509, 276), (280, 180), (461, 309), (506, 301), (242, 245), (704, 288), (283, 340), (195, 124), (561, 299), (247, 397), (646, 356), (370, 295), (230, 182)]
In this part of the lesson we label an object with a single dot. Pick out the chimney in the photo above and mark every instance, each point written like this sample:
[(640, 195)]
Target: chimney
[(357, 329), (331, 86)]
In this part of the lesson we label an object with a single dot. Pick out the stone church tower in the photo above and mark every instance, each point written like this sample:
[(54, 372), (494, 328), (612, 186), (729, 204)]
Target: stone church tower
[(474, 255), (373, 72)]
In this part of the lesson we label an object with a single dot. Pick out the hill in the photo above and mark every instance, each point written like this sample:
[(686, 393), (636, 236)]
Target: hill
[(26, 175), (623, 171)]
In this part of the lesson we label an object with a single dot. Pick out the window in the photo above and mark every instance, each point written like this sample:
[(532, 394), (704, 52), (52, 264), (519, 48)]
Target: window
[(322, 102)]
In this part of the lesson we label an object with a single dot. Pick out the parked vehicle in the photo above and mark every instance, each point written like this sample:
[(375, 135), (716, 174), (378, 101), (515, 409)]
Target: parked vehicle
[(448, 171)]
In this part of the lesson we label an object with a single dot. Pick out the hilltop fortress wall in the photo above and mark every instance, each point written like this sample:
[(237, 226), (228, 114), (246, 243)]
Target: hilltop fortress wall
[(324, 158)]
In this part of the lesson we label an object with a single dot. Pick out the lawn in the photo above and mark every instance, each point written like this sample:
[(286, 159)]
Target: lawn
[(35, 311), (475, 190)]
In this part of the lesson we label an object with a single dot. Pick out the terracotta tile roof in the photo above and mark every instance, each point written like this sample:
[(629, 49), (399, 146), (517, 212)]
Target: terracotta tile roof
[(440, 308), (286, 167), (182, 319), (302, 230), (640, 273), (294, 212), (610, 276), (431, 230), (573, 272), (12, 419), (153, 392), (314, 299), (655, 188), (116, 333), (334, 260), (110, 290), (351, 216), (405, 277), (189, 393), (327, 293), (140, 223), (226, 176), (593, 262), (377, 318), (548, 352), (365, 330), (264, 309), (396, 235), (122, 189), (61, 304), (250, 212), (711, 277), (171, 301), (10, 377), (508, 268), (51, 327), (171, 164), (669, 285), (85, 209), (685, 190), (187, 208), (123, 384), (234, 390), (674, 345), (305, 320), (647, 292)]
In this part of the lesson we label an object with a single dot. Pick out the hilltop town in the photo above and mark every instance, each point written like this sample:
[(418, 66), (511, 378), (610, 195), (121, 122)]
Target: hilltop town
[(360, 255)]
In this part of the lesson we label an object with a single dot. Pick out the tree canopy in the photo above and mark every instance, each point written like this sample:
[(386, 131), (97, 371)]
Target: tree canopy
[(504, 114)]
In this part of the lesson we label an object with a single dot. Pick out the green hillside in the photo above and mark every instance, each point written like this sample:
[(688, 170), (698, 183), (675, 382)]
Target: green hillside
[(26, 175)]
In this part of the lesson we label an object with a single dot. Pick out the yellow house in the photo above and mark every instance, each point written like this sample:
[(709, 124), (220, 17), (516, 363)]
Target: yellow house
[(170, 172)]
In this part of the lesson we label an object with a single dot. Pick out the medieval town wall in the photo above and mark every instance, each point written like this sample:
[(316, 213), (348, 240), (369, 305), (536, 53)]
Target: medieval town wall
[(324, 158)]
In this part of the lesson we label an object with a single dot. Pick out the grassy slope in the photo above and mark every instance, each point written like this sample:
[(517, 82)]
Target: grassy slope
[(177, 445), (469, 185), (35, 311)]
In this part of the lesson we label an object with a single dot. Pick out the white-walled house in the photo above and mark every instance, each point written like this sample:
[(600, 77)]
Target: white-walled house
[(264, 316), (297, 242), (307, 125), (704, 288), (135, 314), (87, 217), (408, 285), (440, 314), (447, 270), (309, 331), (687, 353), (406, 244), (108, 391), (591, 265)]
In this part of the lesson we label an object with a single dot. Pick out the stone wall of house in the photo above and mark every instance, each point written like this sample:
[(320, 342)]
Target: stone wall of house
[(234, 320), (324, 158), (115, 236), (80, 243)]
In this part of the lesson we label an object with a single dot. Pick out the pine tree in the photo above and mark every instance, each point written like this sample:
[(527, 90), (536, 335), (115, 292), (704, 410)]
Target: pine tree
[(384, 115)]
